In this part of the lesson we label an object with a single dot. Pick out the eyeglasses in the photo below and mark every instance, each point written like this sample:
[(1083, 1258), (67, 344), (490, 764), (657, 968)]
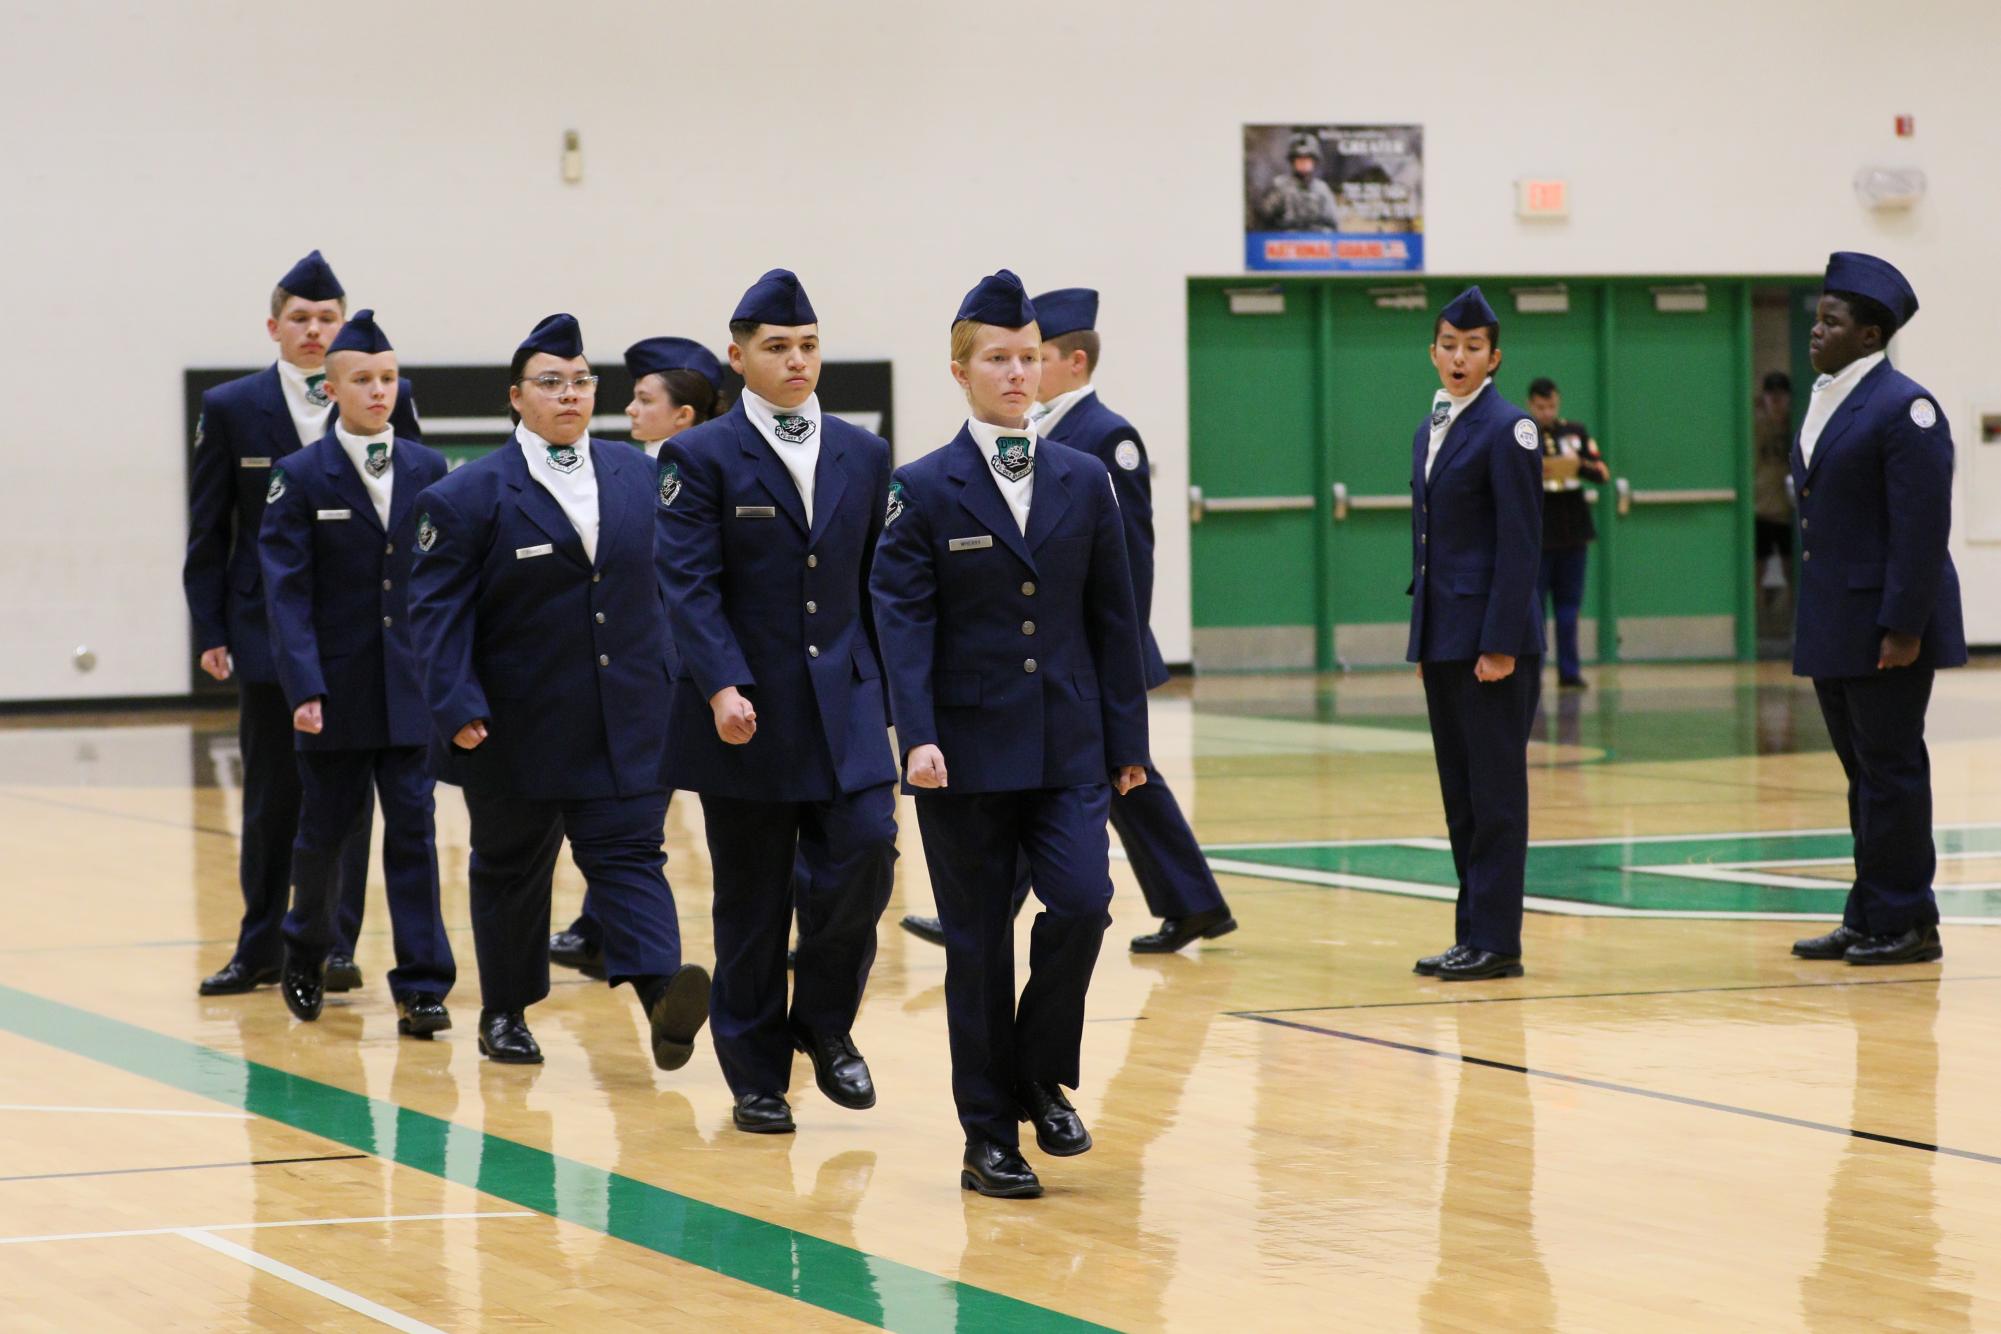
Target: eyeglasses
[(554, 385)]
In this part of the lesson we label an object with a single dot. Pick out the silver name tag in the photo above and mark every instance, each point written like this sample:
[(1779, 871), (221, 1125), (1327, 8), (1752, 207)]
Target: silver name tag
[(336, 514), (257, 463), (970, 543), (523, 553), (756, 512)]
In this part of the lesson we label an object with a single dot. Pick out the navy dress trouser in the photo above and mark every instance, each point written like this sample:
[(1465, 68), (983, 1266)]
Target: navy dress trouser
[(834, 861), (271, 802), (337, 787), (1168, 863), (971, 844), (1479, 736), (615, 842), (1562, 581), (1877, 724)]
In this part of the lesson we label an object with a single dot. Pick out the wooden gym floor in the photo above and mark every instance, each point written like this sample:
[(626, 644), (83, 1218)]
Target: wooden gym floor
[(1669, 1123)]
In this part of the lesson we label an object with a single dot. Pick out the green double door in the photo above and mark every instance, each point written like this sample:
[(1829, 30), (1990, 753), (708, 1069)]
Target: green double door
[(1304, 396)]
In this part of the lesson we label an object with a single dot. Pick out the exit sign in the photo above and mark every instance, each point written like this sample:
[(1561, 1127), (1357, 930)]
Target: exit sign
[(1542, 199)]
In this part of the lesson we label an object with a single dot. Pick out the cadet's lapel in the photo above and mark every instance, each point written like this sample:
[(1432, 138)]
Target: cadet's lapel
[(283, 436), (609, 464), (539, 507), (403, 489), (1846, 415), (829, 479), (1050, 500), (981, 497), (1419, 448), (347, 482), (1456, 435), (771, 469)]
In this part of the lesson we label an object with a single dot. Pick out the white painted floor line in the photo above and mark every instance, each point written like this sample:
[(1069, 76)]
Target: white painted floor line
[(317, 1286), (245, 1227), (125, 1111)]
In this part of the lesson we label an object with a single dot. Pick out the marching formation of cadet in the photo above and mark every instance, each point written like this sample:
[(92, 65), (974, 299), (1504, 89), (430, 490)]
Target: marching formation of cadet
[(744, 605)]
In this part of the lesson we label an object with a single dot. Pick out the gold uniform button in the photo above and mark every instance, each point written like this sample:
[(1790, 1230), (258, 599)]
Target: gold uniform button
[(604, 660), (595, 576), (1028, 666), (812, 650), (1806, 555), (812, 607), (1028, 590), (388, 621), (386, 585), (1804, 525), (812, 562), (1028, 627), (389, 550), (599, 618)]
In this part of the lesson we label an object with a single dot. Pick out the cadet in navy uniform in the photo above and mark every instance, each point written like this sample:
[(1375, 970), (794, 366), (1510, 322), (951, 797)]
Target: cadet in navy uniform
[(1005, 606), (538, 622), (246, 426), (676, 383), (1475, 631), (340, 526), (1879, 609), (768, 524)]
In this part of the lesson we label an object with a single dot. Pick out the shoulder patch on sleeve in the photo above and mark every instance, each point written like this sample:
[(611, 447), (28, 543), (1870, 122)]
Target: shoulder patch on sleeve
[(670, 483), (1127, 455), (201, 432), (895, 504), (427, 532), (1526, 434), (277, 489), (1923, 413)]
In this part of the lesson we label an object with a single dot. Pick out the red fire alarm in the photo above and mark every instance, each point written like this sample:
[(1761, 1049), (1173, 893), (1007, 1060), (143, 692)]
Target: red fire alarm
[(1907, 127)]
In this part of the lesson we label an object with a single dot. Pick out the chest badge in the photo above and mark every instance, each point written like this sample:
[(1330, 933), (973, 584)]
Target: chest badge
[(565, 458), (1011, 457), (793, 429)]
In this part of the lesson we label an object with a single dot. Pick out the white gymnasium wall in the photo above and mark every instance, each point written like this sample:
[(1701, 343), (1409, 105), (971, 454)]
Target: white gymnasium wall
[(166, 162)]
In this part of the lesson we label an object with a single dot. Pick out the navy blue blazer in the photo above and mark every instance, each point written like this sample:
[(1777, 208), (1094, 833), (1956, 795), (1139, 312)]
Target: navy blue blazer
[(1018, 656), (337, 588), (244, 429), (1875, 510), (1095, 429), (759, 601), (1473, 590), (563, 657)]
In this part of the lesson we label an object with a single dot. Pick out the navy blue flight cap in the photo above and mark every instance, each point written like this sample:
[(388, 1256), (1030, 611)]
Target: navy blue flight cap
[(313, 279), (360, 334), (1066, 310), (776, 298), (1469, 310), (558, 335), (651, 356), (998, 299), (1877, 279)]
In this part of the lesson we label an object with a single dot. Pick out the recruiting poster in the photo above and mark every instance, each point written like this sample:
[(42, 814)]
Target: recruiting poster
[(1334, 198)]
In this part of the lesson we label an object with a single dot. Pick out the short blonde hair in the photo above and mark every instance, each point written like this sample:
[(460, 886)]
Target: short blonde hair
[(964, 334)]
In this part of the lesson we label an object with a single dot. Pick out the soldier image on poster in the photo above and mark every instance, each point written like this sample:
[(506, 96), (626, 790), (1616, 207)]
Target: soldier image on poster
[(1298, 200), (1334, 197)]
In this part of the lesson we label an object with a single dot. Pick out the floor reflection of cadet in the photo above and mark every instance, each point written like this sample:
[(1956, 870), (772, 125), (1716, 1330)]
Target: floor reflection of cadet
[(246, 426), (340, 527), (538, 620), (768, 523), (1878, 611), (676, 383), (1476, 479), (1006, 612)]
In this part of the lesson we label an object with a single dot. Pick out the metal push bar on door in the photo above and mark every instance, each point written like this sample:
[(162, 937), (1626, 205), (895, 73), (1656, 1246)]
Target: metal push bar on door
[(1629, 497), (1343, 502), (1199, 504)]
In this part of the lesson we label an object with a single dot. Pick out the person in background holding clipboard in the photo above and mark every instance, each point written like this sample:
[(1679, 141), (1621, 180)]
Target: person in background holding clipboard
[(1570, 458)]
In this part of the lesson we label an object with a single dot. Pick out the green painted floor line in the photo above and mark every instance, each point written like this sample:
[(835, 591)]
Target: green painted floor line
[(821, 1273)]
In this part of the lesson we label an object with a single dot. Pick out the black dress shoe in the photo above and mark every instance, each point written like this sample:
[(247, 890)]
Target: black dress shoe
[(924, 928), (236, 977), (838, 1069), (1833, 945), (1178, 931), (342, 973), (763, 1114), (573, 949), (1429, 965), (1572, 683), (1479, 965), (1920, 944), (999, 1170), (678, 1015), (420, 1016), (1059, 1131), (504, 1037), (303, 989)]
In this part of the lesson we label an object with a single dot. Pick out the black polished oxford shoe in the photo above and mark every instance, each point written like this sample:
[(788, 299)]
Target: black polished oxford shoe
[(1920, 944), (504, 1037), (678, 1015), (1429, 965), (1178, 931), (924, 928), (1059, 1131), (838, 1069), (303, 989), (1833, 945), (572, 949), (763, 1114), (236, 977), (998, 1170), (342, 973), (420, 1016), (1479, 965)]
